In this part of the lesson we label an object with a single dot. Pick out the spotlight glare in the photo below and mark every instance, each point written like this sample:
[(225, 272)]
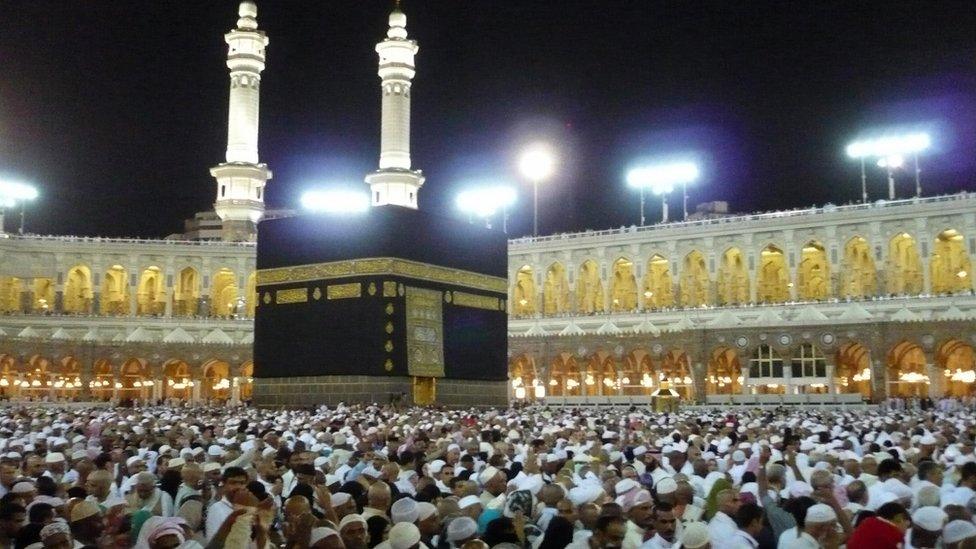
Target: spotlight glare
[(485, 201), (661, 179), (337, 201), (537, 162)]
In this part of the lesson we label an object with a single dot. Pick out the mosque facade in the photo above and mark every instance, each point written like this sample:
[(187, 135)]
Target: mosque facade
[(835, 304)]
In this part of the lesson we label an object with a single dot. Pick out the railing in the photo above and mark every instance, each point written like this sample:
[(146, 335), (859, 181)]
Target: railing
[(777, 215), (144, 318), (139, 241)]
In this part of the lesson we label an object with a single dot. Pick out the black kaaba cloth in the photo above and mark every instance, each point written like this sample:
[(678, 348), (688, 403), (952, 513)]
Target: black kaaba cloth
[(390, 292)]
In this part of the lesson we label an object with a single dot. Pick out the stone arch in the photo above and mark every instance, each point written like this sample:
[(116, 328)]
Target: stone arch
[(177, 379), (733, 279), (43, 293), (224, 295), (904, 266), (10, 289), (115, 291), (522, 374), (555, 292), (523, 294), (637, 375), (564, 376), (860, 275), (676, 369), (774, 277), (186, 293), (216, 380), (853, 369), (134, 380), (623, 286), (950, 269), (658, 291), (252, 294), (907, 370), (724, 372), (247, 380), (151, 293), (103, 379), (813, 274), (589, 288), (694, 280), (957, 361), (10, 375), (600, 377), (78, 291)]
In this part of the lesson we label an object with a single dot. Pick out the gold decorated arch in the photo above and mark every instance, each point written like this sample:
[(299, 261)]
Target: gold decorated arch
[(813, 274), (733, 279), (523, 293), (623, 286), (694, 280), (904, 270), (860, 275), (949, 267), (555, 293), (658, 292), (773, 281)]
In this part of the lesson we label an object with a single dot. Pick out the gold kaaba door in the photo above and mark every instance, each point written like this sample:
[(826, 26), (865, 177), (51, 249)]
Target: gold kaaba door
[(424, 390)]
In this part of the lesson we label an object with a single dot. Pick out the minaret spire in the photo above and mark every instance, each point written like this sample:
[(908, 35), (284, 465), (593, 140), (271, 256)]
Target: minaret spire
[(395, 182), (241, 178)]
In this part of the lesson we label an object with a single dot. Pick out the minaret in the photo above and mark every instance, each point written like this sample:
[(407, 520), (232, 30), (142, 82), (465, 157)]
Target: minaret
[(394, 182), (241, 179)]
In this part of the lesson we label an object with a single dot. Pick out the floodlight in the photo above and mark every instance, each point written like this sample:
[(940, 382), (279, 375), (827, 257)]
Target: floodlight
[(661, 180), (484, 202), (536, 163), (337, 201)]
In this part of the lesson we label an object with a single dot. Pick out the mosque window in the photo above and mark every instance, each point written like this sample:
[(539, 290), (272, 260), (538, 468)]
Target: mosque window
[(765, 362), (809, 362)]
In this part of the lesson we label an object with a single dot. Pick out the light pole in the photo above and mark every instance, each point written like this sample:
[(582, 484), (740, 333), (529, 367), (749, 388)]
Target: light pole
[(890, 151), (484, 202), (536, 164), (13, 193), (661, 179)]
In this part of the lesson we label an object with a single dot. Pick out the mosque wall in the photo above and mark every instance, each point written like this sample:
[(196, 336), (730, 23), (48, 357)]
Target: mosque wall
[(874, 300)]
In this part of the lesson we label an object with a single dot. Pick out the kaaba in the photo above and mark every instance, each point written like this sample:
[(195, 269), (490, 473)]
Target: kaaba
[(391, 304)]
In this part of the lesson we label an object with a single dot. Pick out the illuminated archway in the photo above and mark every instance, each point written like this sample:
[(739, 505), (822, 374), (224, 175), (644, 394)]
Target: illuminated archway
[(10, 290), (658, 292), (10, 376), (522, 376), (67, 381), (853, 369), (43, 292), (252, 294), (37, 376), (246, 380), (177, 380), (676, 369), (223, 292), (623, 286), (589, 288), (907, 371), (957, 361), (860, 276), (950, 267), (724, 372), (555, 293), (134, 381), (904, 267), (103, 381), (151, 293), (813, 275), (78, 291), (600, 377), (216, 380), (733, 279), (564, 376), (774, 277), (694, 280), (115, 291), (186, 294), (637, 374), (523, 295)]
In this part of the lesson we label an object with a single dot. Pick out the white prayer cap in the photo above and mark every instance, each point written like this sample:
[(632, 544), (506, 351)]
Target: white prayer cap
[(79, 454), (403, 535), (640, 450), (929, 518), (320, 461), (486, 475), (211, 466), (435, 466), (425, 510), (927, 440), (666, 485), (340, 498), (176, 462), (799, 489), (958, 530), (215, 451), (820, 513), (320, 533), (461, 528), (23, 487), (738, 456), (468, 501), (898, 488), (404, 510), (625, 485), (694, 535), (349, 519)]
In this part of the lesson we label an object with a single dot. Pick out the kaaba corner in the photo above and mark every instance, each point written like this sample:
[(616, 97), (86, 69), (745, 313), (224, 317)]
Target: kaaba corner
[(373, 306)]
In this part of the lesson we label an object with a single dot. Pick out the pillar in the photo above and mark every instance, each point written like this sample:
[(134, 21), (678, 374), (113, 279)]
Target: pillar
[(133, 300), (168, 311), (26, 296), (86, 378), (96, 307), (235, 390), (195, 393), (788, 376), (59, 299), (831, 385), (203, 306)]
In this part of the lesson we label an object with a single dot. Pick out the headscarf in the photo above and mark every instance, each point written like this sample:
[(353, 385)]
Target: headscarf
[(156, 527), (711, 502)]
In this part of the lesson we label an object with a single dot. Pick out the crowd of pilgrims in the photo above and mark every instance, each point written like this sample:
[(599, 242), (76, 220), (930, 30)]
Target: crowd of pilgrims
[(359, 477)]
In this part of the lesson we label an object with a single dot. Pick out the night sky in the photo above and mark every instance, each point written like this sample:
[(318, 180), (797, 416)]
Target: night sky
[(117, 109)]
